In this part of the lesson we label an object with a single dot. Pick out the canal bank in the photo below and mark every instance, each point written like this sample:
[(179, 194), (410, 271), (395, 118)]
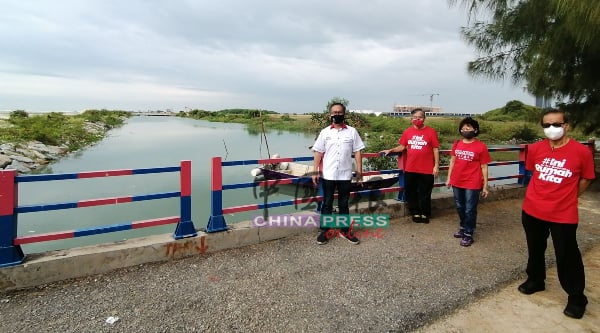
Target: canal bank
[(415, 275)]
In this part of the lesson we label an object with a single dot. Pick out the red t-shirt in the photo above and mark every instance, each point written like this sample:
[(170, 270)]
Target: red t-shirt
[(419, 145), (552, 191), (469, 157)]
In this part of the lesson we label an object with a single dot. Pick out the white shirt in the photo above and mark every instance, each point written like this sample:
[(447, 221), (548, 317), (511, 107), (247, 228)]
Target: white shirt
[(338, 146)]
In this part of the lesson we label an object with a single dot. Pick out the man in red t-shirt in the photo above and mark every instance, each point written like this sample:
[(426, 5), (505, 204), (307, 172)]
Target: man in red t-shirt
[(562, 169), (422, 165)]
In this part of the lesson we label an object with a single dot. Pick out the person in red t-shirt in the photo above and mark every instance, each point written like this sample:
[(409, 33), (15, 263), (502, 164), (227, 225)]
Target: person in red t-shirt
[(468, 177), (422, 165), (562, 169)]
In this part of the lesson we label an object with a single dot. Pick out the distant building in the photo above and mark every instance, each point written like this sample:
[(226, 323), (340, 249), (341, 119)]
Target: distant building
[(377, 113), (543, 102), (409, 108), (433, 111)]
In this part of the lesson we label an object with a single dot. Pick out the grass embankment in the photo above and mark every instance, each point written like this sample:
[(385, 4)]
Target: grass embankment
[(385, 128), (57, 129), (513, 124)]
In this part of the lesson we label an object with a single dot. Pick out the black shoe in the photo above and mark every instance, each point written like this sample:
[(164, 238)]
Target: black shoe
[(350, 237), (467, 240), (574, 311), (416, 218), (529, 287), (322, 238), (424, 219)]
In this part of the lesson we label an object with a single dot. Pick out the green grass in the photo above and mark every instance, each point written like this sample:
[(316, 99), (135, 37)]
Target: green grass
[(381, 131), (57, 129)]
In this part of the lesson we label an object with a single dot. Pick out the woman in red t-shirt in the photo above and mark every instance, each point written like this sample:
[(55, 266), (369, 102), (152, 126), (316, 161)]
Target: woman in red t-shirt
[(468, 177), (422, 147)]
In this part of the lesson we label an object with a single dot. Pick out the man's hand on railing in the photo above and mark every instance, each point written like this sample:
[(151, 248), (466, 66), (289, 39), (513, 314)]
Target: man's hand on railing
[(315, 178)]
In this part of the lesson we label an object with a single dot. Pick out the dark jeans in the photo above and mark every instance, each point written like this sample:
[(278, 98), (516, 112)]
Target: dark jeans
[(569, 264), (343, 189), (418, 187), (466, 205)]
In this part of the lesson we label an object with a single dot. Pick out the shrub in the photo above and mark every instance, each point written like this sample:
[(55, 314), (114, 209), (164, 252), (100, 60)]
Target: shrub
[(524, 133), (378, 144), (17, 115)]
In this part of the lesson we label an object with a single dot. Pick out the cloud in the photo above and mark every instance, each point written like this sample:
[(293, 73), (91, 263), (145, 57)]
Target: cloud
[(286, 56)]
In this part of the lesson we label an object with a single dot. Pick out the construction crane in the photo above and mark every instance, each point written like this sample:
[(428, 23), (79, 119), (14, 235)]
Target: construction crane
[(430, 100)]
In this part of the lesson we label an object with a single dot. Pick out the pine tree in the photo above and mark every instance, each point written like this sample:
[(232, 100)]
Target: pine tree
[(553, 46)]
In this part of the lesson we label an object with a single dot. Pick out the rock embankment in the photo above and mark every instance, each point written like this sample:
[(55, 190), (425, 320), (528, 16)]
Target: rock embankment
[(26, 157)]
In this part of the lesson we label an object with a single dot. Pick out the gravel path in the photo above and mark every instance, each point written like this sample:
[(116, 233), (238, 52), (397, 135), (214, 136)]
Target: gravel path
[(413, 276)]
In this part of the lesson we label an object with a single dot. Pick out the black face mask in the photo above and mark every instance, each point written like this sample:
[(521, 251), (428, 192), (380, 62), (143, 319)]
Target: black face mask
[(468, 134), (337, 119)]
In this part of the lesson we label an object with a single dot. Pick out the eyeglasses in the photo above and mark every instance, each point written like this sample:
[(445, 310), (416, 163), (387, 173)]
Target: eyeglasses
[(546, 125)]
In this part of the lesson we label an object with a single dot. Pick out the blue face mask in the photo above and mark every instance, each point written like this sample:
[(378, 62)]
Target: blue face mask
[(337, 119)]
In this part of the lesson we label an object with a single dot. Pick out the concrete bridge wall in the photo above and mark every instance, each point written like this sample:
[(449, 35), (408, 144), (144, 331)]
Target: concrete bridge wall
[(54, 266)]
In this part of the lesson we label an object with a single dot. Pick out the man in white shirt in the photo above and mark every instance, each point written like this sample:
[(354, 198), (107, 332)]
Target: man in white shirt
[(333, 163)]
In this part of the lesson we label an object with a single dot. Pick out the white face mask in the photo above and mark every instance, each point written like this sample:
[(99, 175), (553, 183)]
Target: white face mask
[(554, 133)]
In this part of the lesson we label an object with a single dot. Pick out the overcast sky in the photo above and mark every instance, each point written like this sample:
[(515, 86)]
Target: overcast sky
[(280, 55)]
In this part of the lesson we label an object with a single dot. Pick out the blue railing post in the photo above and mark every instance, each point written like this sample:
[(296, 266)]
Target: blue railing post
[(320, 193), (185, 227), (216, 222), (10, 254), (526, 175), (401, 182)]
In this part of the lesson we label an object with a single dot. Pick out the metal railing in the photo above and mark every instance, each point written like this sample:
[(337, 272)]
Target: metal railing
[(10, 243), (217, 221)]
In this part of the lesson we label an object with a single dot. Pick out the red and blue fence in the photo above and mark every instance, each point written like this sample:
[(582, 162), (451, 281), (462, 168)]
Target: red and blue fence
[(10, 243), (217, 221)]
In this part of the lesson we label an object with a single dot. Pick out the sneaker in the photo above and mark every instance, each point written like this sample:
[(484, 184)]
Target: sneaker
[(529, 287), (467, 240), (350, 237), (459, 234), (416, 218), (424, 219), (322, 238)]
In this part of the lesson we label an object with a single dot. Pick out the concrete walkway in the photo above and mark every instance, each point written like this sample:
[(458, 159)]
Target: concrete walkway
[(510, 311), (416, 275)]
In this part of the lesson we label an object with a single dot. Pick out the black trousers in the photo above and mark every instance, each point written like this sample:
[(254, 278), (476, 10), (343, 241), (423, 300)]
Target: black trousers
[(569, 263), (418, 188), (343, 188)]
